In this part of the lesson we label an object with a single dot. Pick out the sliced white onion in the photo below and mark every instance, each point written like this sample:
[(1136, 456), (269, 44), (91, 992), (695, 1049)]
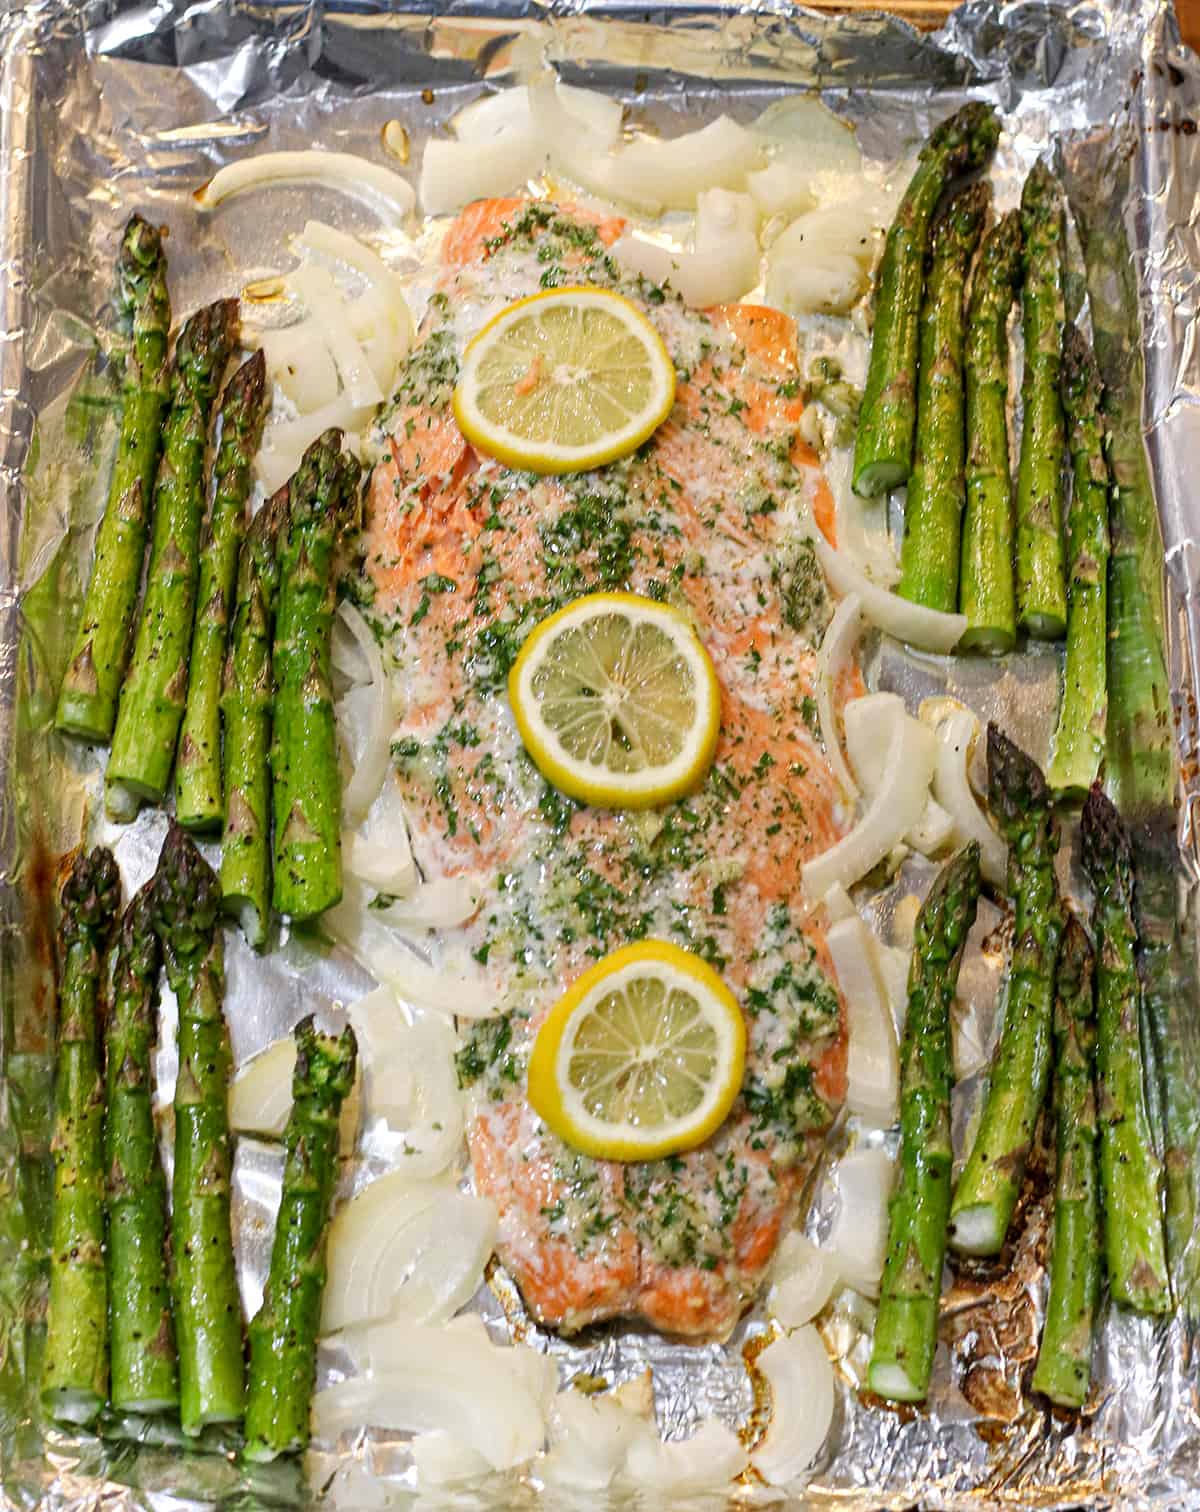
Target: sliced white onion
[(892, 812), (800, 1376), (393, 962), (301, 364), (340, 170), (862, 527), (805, 1277), (701, 279), (260, 1096), (824, 283), (837, 647), (872, 1055), (488, 116), (600, 113), (442, 1460), (893, 963), (802, 123), (444, 903), (455, 173), (927, 629), (933, 832), (649, 174), (838, 904), (406, 1253), (441, 1380), (285, 443), (411, 1085), (686, 1467), (320, 294), (869, 722), (344, 248), (371, 757), (381, 332), (785, 185), (859, 1238), (378, 854), (590, 1439), (956, 733)]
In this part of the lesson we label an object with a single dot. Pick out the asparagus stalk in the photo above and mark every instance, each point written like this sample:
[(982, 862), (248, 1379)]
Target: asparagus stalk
[(987, 594), (246, 703), (1130, 1171), (933, 512), (87, 700), (1082, 716), (884, 443), (199, 799), (283, 1334), (143, 747), (208, 1314), (991, 1180), (1064, 1366), (304, 758), (906, 1327), (144, 1373), (75, 1371), (1041, 576)]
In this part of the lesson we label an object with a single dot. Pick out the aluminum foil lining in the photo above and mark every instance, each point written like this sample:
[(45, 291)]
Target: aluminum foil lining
[(105, 108)]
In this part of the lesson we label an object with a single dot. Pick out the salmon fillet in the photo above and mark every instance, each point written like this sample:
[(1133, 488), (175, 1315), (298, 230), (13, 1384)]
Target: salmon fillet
[(465, 557)]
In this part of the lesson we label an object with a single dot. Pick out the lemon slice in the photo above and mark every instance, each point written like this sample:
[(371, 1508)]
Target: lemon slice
[(617, 701), (642, 1057), (564, 381)]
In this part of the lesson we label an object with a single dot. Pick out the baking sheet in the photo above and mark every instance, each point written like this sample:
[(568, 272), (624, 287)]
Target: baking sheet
[(104, 109)]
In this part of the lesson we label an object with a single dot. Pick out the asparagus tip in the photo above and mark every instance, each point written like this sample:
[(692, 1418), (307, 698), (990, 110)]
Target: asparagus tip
[(92, 889), (1104, 838), (187, 895), (1016, 785), (325, 1063)]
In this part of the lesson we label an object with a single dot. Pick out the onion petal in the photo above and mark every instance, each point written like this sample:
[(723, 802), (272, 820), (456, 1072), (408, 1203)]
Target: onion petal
[(260, 1096), (805, 1277), (956, 732), (859, 1238), (372, 760), (378, 853), (453, 173), (686, 1467), (927, 629), (800, 1376), (872, 1055), (837, 647), (892, 812), (341, 170)]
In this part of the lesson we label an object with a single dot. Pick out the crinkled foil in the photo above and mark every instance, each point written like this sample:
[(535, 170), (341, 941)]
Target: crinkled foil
[(105, 108)]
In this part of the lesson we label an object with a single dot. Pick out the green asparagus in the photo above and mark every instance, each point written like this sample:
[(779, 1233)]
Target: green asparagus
[(144, 1374), (906, 1327), (987, 595), (991, 1181), (1130, 1171), (87, 700), (1041, 575), (933, 512), (1080, 736), (884, 443), (1064, 1366), (199, 796), (283, 1334), (75, 1372), (304, 756), (208, 1313), (246, 705), (143, 746)]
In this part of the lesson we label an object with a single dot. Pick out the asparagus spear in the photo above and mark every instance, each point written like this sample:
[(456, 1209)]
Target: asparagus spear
[(283, 1335), (75, 1372), (144, 1373), (1082, 716), (987, 594), (1064, 1366), (1041, 577), (87, 700), (304, 758), (143, 747), (246, 704), (906, 1327), (199, 801), (1130, 1170), (991, 1180), (884, 443), (933, 512), (208, 1314)]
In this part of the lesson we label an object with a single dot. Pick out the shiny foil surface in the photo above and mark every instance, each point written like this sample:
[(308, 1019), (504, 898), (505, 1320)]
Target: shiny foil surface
[(108, 108)]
